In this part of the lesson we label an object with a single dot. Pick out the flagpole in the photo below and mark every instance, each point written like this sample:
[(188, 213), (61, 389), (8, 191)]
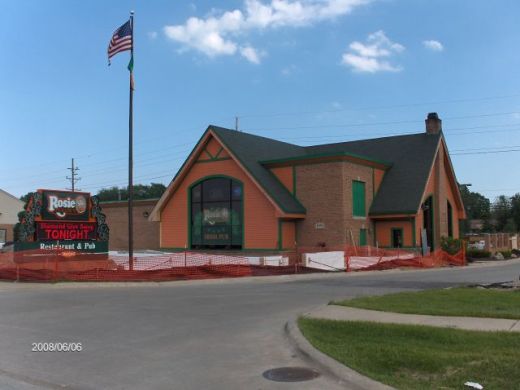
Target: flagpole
[(131, 158)]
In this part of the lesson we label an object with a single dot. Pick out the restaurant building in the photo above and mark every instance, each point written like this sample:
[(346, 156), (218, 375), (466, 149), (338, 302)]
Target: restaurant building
[(242, 191)]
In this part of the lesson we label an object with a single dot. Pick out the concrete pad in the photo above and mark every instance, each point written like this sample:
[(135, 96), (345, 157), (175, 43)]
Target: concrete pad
[(342, 313)]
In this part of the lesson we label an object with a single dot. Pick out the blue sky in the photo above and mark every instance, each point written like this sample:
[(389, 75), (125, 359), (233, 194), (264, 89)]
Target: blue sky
[(307, 72)]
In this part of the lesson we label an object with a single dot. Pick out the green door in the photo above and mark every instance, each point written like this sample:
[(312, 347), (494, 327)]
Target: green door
[(362, 237)]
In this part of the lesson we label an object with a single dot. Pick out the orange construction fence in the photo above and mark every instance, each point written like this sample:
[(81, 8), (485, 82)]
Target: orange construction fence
[(60, 265)]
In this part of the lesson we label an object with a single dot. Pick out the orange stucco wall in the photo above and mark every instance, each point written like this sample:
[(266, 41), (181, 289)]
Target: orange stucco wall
[(213, 147), (378, 178), (288, 235), (384, 232), (285, 175), (261, 224)]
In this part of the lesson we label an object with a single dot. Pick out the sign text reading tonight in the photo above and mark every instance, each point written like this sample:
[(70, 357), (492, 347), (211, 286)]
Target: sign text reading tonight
[(46, 231)]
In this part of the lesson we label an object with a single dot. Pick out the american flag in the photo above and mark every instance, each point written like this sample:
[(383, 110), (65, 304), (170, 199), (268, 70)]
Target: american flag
[(121, 40)]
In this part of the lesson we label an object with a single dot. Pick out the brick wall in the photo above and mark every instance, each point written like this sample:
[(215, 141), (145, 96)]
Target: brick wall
[(146, 233), (325, 190)]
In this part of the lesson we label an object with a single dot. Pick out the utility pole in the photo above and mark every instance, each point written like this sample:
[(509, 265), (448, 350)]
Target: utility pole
[(73, 176), (236, 123)]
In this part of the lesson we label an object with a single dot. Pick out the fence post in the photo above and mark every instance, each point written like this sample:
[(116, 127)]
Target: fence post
[(17, 273), (185, 261)]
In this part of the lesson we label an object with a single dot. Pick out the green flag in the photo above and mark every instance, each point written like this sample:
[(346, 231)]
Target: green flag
[(131, 64)]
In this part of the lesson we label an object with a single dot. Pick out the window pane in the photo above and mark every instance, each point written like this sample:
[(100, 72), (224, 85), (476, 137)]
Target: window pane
[(237, 235), (215, 213), (214, 190), (196, 214), (236, 213), (216, 235), (236, 191), (195, 193)]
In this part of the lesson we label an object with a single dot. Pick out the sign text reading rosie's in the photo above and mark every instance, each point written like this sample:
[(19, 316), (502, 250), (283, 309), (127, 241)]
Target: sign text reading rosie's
[(66, 231)]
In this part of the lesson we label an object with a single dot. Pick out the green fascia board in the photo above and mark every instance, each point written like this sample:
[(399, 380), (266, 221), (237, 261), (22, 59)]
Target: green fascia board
[(280, 204), (291, 193), (320, 155), (189, 155), (414, 212)]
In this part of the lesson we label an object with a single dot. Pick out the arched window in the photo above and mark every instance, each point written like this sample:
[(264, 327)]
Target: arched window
[(216, 214)]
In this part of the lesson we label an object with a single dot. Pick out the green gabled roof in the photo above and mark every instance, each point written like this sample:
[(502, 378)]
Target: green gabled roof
[(403, 185), (250, 149), (410, 158)]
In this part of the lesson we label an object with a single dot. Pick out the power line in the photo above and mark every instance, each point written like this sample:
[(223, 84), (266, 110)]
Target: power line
[(452, 101), (300, 127)]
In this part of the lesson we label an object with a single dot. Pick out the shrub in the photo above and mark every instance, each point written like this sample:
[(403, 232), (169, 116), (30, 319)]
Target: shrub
[(506, 254), (478, 254), (451, 245)]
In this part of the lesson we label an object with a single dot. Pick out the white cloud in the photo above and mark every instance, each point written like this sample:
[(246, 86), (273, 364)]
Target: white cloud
[(288, 70), (372, 56), (152, 35), (220, 33), (251, 54), (433, 45)]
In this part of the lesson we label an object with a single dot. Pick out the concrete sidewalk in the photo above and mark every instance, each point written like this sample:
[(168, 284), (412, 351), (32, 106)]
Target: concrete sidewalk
[(343, 313)]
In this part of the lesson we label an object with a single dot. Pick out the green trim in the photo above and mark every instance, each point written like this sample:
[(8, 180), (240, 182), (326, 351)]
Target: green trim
[(212, 160), (280, 222), (413, 232), (392, 230), (320, 155), (274, 198), (394, 212), (219, 151), (449, 212), (362, 237), (432, 216), (294, 197), (373, 183), (189, 246), (433, 222), (294, 180), (208, 153)]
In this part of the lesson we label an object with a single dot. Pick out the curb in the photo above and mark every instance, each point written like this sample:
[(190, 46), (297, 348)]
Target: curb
[(345, 375)]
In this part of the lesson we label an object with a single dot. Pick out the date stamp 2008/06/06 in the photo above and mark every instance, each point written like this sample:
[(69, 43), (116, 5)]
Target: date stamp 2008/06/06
[(56, 347)]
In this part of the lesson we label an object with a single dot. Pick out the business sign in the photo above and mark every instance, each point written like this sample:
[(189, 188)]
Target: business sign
[(48, 231), (65, 206), (62, 220)]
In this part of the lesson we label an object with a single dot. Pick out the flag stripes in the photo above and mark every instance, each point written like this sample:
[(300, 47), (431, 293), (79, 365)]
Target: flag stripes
[(121, 40)]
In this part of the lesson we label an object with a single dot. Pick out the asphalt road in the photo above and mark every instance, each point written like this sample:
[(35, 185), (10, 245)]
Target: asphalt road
[(220, 334)]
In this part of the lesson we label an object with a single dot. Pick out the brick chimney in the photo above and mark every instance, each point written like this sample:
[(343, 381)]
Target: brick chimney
[(433, 123)]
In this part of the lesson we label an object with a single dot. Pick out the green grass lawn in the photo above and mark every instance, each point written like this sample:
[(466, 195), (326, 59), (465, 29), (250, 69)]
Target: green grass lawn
[(467, 302), (419, 357)]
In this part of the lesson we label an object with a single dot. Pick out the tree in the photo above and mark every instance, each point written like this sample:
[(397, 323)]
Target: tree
[(515, 209), (152, 191), (501, 212), (477, 206), (25, 198)]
